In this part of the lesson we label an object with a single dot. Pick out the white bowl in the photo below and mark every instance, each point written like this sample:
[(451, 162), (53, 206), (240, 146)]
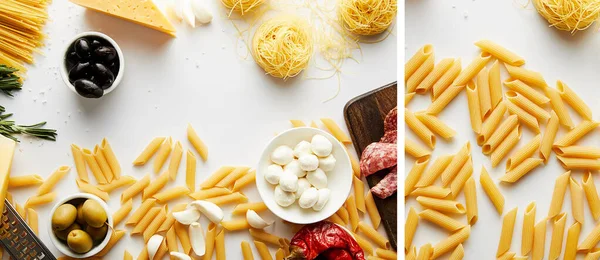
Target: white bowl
[(63, 66), (62, 246), (339, 181)]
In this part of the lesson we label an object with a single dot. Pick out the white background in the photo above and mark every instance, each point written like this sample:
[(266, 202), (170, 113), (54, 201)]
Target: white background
[(452, 27), (196, 78)]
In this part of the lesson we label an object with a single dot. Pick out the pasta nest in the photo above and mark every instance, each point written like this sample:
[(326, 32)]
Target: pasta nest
[(569, 15), (242, 6), (283, 46), (367, 17)]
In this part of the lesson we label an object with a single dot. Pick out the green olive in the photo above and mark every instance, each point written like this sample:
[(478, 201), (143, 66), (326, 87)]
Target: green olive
[(97, 234), (63, 217), (80, 214), (93, 213), (62, 234), (79, 241)]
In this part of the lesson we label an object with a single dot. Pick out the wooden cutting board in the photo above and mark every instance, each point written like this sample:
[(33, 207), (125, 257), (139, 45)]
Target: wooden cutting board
[(364, 117)]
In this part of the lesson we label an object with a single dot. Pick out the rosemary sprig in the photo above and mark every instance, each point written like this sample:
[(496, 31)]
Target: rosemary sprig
[(8, 128), (8, 80)]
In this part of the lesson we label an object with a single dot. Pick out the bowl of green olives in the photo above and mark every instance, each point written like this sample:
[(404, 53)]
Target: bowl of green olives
[(80, 225), (93, 65)]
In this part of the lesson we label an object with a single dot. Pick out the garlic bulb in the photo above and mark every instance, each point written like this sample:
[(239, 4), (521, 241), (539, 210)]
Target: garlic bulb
[(188, 216), (209, 209), (256, 221), (197, 239), (153, 245)]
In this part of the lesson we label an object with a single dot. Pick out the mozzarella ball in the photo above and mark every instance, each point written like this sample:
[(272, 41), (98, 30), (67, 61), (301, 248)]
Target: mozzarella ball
[(283, 198), (288, 182), (323, 198), (321, 146), (294, 168), (328, 163), (303, 185), (282, 155), (302, 148), (308, 162), (309, 198), (273, 173), (317, 178)]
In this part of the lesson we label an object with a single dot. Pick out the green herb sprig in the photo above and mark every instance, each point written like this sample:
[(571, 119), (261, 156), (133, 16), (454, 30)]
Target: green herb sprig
[(9, 81), (8, 128)]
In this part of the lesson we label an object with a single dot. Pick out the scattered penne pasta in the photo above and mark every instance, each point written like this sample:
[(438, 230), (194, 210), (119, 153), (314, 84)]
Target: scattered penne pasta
[(508, 225), (446, 80), (500, 52)]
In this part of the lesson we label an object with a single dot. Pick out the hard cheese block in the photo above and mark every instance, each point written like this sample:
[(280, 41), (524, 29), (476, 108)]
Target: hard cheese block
[(142, 12), (7, 150)]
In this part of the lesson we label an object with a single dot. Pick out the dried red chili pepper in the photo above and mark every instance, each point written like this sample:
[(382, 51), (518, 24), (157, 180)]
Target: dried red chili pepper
[(326, 238)]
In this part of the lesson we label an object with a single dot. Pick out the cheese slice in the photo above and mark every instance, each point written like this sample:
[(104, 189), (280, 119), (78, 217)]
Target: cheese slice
[(143, 12), (7, 151)]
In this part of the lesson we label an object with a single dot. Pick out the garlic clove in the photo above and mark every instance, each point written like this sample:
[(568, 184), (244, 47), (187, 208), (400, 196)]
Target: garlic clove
[(188, 216), (153, 245), (188, 15), (209, 209), (180, 256), (256, 221), (197, 238), (177, 8), (201, 12)]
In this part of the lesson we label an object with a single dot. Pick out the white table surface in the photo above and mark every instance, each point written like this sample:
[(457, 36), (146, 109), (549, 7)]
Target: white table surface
[(452, 27), (196, 78)]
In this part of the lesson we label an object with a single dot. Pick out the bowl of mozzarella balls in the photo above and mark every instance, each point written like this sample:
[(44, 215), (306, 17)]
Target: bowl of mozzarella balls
[(304, 175)]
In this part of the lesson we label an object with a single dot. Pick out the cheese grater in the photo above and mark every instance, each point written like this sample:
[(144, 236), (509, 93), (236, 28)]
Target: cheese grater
[(18, 239)]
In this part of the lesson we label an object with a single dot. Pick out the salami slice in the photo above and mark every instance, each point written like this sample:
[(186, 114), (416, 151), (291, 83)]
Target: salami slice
[(387, 186), (390, 137), (391, 120), (378, 156)]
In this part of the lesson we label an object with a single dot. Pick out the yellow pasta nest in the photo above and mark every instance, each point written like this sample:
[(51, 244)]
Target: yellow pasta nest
[(242, 6), (367, 17), (569, 15), (283, 46)]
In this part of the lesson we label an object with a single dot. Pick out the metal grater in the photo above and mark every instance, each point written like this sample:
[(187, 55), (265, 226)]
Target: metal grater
[(18, 239)]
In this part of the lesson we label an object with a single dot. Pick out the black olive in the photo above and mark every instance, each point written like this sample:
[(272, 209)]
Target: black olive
[(104, 53), (83, 49), (95, 44), (114, 67), (72, 60), (80, 70), (88, 89), (102, 75)]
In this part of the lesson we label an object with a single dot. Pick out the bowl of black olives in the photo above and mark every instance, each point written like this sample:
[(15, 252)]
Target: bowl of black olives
[(93, 65)]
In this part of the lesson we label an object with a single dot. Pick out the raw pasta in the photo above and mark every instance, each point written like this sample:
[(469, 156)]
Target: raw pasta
[(441, 220), (40, 199), (79, 162), (241, 209), (523, 153), (352, 212), (175, 160), (263, 251), (170, 194), (508, 225), (209, 193), (410, 227), (246, 251), (458, 253), (444, 82), (297, 123), (122, 212), (216, 177), (472, 69), (419, 128), (416, 60), (436, 125), (576, 133), (491, 190), (491, 123), (150, 149), (528, 229), (451, 242), (589, 152), (437, 72), (211, 234), (485, 100), (197, 143), (414, 175), (408, 97), (235, 197), (135, 189), (88, 188), (527, 91), (363, 243), (415, 149), (527, 105), (371, 210), (24, 181), (156, 185), (336, 131), (359, 194), (123, 181), (250, 177), (449, 206), (558, 230), (456, 164), (463, 175), (471, 201), (419, 75), (591, 194), (190, 171), (263, 236), (111, 158), (233, 176), (51, 181), (101, 160), (572, 240), (518, 172), (576, 200), (163, 153), (500, 52), (139, 213), (528, 76), (495, 84), (432, 192), (444, 99), (539, 240), (32, 220), (574, 100), (474, 107), (499, 134), (524, 117), (434, 171), (559, 107), (114, 238), (549, 135), (558, 196), (234, 225), (578, 163), (509, 142), (425, 252)]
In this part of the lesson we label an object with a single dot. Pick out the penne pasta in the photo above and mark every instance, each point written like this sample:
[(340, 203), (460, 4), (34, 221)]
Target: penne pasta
[(499, 134), (21, 211), (168, 223), (79, 162), (197, 143), (523, 153), (591, 194), (88, 188), (471, 201), (444, 99), (433, 172), (122, 212), (539, 240), (184, 238), (171, 194), (313, 124), (491, 190), (40, 200), (408, 97), (576, 133), (419, 75), (572, 240), (175, 161), (53, 179), (263, 251), (549, 135), (524, 117), (491, 123), (436, 125), (235, 225), (558, 195), (509, 142), (111, 158), (140, 212), (441, 220), (127, 256), (156, 185), (578, 163), (216, 177), (559, 107), (412, 254), (364, 244), (235, 197), (135, 188), (456, 164), (589, 152), (163, 153), (432, 192), (374, 236), (343, 214), (528, 229), (483, 86), (500, 52), (210, 241), (415, 149), (32, 220), (458, 253), (449, 206), (209, 193), (508, 225), (24, 181), (451, 242), (263, 236), (94, 166), (410, 227), (336, 131), (372, 210), (279, 254), (220, 245), (115, 184), (435, 74), (592, 255), (574, 100), (472, 69), (474, 107), (171, 239), (146, 220), (425, 252), (246, 251), (419, 128), (241, 209), (359, 194), (461, 178), (446, 80), (114, 239), (558, 230), (576, 200), (417, 59), (531, 77), (591, 240), (233, 176), (414, 175), (250, 177), (190, 171), (297, 123), (149, 151), (528, 106), (495, 84), (527, 91), (352, 212), (335, 218), (104, 166), (518, 172)]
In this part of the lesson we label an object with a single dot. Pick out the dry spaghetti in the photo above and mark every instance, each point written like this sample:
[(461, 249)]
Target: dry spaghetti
[(242, 6), (569, 15), (283, 46), (367, 17)]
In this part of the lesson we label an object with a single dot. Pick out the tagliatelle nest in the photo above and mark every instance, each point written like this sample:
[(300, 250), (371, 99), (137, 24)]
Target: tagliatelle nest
[(283, 46), (569, 15), (367, 17)]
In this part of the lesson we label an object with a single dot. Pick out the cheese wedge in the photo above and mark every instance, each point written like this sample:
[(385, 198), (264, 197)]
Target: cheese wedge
[(143, 12), (7, 151)]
